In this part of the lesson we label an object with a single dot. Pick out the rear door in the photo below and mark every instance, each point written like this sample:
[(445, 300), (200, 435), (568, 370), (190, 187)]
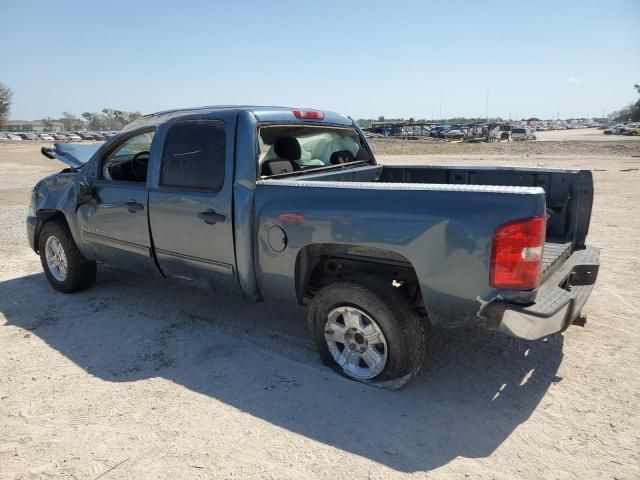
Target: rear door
[(190, 205)]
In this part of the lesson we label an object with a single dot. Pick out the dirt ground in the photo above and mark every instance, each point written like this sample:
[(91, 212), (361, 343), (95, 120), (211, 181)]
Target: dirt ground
[(141, 378)]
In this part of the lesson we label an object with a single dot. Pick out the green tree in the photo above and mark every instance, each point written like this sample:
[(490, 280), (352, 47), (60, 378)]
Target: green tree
[(70, 121), (631, 112), (5, 103)]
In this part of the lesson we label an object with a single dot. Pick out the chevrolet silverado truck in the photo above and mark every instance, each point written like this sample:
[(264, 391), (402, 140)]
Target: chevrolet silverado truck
[(291, 205)]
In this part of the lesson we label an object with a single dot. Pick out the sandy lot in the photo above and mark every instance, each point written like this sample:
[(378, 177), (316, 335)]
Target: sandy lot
[(583, 141), (140, 378)]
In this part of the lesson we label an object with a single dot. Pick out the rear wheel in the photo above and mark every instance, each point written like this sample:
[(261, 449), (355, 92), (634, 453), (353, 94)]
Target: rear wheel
[(66, 269), (368, 332)]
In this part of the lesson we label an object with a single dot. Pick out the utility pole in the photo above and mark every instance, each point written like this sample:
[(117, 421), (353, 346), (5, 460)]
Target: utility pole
[(486, 108)]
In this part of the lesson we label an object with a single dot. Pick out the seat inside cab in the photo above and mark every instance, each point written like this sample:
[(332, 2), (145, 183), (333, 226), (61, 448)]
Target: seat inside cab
[(285, 149)]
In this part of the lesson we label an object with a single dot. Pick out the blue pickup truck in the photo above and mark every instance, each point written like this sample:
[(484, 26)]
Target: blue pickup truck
[(290, 205)]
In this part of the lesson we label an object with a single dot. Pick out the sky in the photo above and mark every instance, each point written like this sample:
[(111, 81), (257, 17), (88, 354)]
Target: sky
[(421, 59)]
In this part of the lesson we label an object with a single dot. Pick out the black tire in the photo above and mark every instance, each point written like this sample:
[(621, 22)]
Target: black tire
[(403, 329), (81, 272)]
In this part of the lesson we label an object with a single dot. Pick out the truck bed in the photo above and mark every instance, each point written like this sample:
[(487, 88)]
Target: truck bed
[(568, 193)]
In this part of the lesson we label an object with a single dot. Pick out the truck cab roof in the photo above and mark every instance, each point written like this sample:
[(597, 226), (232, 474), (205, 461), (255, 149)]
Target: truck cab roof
[(262, 114)]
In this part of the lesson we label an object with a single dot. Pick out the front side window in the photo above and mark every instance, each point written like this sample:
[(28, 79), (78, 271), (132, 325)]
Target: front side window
[(194, 156), (129, 161)]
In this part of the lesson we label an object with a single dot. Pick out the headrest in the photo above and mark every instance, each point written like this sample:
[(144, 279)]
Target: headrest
[(288, 148), (276, 167), (342, 156)]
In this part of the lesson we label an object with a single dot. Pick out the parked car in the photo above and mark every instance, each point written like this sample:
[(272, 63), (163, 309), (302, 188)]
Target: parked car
[(525, 133), (619, 129), (73, 137), (86, 136), (3, 136), (28, 136), (633, 129), (455, 133), (379, 253), (60, 137), (99, 136), (13, 136), (46, 137)]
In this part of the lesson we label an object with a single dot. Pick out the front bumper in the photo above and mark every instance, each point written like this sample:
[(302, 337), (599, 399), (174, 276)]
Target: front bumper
[(32, 224), (558, 302)]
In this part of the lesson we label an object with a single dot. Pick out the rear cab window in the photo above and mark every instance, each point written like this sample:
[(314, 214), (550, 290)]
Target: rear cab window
[(294, 149), (194, 156)]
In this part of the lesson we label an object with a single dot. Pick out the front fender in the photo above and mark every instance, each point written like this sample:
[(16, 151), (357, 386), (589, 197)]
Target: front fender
[(56, 197)]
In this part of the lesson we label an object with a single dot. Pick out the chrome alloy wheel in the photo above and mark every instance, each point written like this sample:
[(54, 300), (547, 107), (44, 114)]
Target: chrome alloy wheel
[(356, 342), (56, 259)]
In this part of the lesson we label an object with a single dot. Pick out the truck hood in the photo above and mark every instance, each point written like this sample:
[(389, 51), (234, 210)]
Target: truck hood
[(73, 154)]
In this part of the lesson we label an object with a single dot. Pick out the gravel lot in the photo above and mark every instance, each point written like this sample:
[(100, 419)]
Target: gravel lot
[(140, 378), (584, 141)]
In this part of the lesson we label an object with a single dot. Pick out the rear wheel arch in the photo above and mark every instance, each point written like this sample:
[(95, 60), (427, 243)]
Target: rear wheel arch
[(319, 265)]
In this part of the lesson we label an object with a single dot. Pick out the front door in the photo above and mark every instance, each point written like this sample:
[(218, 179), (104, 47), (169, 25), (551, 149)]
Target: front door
[(116, 228), (190, 208)]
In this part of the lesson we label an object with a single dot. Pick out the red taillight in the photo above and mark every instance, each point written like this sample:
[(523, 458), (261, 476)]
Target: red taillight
[(516, 256), (309, 114)]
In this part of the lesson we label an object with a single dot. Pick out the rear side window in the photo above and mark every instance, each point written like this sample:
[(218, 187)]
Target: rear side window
[(194, 156)]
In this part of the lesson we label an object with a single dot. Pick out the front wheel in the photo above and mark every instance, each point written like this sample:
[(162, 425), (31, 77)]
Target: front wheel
[(66, 269), (368, 331)]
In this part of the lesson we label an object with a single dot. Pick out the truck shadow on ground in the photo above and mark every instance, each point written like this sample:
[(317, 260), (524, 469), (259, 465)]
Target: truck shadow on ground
[(475, 391)]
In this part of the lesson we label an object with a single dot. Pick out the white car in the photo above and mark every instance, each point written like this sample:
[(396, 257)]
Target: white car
[(524, 133), (74, 137), (13, 136), (46, 137)]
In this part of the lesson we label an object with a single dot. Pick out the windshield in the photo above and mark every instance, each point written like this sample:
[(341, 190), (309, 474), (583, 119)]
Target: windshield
[(288, 149)]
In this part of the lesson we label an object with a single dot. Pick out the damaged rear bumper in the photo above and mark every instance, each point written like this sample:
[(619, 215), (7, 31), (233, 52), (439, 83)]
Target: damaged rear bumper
[(558, 302)]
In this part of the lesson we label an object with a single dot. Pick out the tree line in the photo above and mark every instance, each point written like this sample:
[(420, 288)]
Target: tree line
[(630, 113), (112, 119), (106, 119)]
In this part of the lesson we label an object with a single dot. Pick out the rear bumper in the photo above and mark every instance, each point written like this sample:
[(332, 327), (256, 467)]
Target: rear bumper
[(558, 302)]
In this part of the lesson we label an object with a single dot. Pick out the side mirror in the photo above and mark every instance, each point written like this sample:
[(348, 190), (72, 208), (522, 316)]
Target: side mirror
[(85, 195)]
